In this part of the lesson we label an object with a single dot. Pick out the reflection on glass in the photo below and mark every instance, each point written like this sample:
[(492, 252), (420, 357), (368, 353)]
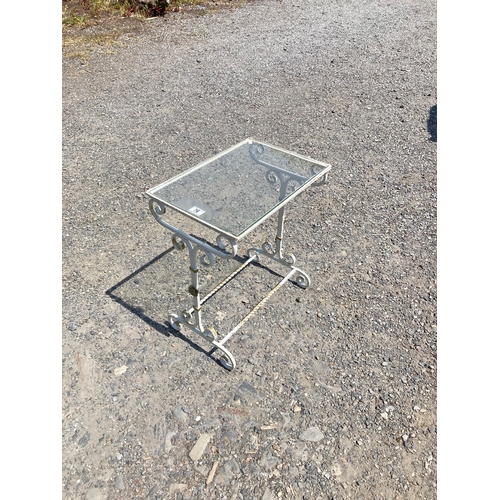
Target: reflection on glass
[(236, 189)]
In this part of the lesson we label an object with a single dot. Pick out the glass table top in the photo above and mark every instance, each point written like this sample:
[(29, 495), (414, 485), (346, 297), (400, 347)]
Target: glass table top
[(237, 189)]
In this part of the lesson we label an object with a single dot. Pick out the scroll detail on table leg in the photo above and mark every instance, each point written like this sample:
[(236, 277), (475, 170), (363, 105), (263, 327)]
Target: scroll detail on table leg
[(205, 254), (276, 252)]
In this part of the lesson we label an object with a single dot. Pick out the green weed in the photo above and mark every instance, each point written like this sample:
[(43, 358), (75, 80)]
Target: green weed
[(75, 20)]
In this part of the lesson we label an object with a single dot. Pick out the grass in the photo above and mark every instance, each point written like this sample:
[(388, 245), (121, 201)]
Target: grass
[(80, 46), (81, 12), (84, 12), (102, 17), (83, 19), (75, 19)]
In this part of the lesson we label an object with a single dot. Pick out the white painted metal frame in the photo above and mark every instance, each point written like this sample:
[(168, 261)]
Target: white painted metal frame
[(273, 175), (227, 248)]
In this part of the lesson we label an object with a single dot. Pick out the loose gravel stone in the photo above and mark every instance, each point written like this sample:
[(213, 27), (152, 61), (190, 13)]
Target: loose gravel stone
[(227, 472), (177, 488), (83, 441), (212, 472), (312, 434), (119, 485), (180, 414), (168, 443), (96, 494), (198, 449), (120, 370), (268, 495)]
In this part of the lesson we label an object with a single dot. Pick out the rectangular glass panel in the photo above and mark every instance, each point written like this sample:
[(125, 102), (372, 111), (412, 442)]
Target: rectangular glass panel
[(237, 188)]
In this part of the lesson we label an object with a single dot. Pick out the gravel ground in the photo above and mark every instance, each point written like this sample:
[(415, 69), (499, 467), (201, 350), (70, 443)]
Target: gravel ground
[(334, 395)]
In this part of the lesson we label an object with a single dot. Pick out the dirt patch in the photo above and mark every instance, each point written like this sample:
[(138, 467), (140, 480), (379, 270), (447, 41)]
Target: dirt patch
[(85, 31)]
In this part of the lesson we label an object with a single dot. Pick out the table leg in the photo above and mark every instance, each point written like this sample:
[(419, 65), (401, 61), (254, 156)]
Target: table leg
[(204, 254), (276, 253)]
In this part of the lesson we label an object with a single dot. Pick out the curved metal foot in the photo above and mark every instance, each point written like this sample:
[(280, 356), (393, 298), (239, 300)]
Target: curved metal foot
[(175, 322), (255, 253), (302, 279), (226, 360)]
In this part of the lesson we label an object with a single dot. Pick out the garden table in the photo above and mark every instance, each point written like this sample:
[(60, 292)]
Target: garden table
[(232, 193)]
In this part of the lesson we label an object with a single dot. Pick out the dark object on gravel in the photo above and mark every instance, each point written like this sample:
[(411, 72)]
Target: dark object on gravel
[(432, 123), (154, 7)]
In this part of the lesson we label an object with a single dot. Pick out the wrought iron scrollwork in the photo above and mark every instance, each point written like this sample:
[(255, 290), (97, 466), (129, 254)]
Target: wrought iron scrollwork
[(204, 252), (287, 181), (269, 250), (226, 244), (178, 243), (315, 170), (188, 318)]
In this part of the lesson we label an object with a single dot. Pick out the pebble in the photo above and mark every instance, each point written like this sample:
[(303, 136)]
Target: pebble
[(83, 441), (336, 470), (245, 390), (227, 471), (268, 495), (119, 482), (120, 370), (230, 436), (95, 494), (198, 449), (384, 415), (176, 487), (312, 434), (268, 461), (211, 422), (202, 469), (179, 413), (211, 475), (107, 475), (267, 427), (152, 493)]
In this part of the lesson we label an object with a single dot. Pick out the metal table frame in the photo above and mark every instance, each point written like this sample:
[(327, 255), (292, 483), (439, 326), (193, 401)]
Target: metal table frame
[(204, 254)]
